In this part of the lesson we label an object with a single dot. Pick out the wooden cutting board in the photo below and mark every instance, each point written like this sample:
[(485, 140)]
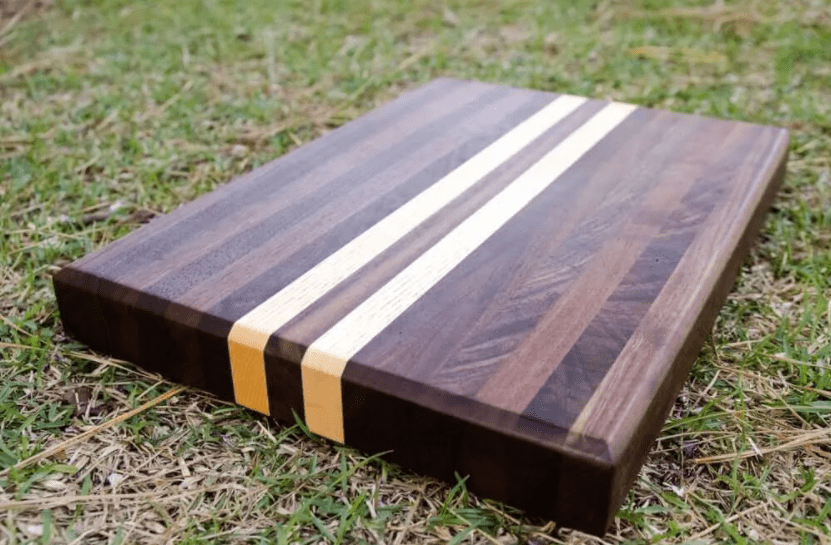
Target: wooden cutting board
[(499, 282)]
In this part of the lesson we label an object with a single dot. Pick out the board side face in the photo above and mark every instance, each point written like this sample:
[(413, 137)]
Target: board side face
[(177, 342), (469, 272)]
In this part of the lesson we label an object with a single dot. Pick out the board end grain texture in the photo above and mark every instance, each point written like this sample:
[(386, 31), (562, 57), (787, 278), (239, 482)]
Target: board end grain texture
[(502, 283)]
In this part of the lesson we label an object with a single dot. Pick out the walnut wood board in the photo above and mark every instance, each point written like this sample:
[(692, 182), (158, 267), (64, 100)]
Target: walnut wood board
[(504, 283)]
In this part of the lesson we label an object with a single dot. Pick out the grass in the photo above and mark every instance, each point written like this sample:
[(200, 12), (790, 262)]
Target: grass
[(114, 111)]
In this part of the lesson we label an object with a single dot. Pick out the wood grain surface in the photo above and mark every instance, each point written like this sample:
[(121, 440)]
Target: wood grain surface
[(496, 282)]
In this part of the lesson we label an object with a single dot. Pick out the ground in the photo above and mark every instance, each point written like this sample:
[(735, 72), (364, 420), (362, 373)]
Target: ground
[(112, 112)]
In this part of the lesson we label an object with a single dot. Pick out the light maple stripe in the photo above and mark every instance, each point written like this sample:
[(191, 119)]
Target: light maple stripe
[(326, 358), (249, 335)]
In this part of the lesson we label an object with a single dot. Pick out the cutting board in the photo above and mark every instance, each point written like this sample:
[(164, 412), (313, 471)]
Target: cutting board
[(502, 283)]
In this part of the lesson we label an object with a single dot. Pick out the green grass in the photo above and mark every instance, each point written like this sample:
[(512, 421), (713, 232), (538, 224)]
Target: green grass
[(113, 110)]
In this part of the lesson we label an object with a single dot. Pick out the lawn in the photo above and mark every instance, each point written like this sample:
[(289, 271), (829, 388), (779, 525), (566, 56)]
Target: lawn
[(113, 112)]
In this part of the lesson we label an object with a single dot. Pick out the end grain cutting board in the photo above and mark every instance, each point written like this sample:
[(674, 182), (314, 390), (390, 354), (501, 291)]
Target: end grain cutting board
[(504, 283)]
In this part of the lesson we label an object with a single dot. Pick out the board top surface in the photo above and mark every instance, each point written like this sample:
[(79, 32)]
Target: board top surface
[(541, 267)]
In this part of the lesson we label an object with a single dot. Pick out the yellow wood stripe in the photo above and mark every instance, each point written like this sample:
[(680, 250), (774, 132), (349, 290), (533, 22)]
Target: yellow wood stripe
[(249, 334), (325, 360)]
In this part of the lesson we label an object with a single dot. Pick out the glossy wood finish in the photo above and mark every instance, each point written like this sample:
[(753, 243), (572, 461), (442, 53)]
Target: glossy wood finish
[(479, 279)]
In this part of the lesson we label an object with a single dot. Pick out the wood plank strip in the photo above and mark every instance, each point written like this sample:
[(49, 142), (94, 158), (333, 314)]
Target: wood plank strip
[(680, 298), (327, 356), (250, 334), (571, 385), (284, 205), (592, 264), (190, 221)]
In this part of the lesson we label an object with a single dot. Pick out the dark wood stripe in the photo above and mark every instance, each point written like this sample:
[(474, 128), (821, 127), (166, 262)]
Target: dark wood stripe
[(679, 301), (329, 147), (577, 376), (227, 206), (489, 349), (586, 263), (295, 209)]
